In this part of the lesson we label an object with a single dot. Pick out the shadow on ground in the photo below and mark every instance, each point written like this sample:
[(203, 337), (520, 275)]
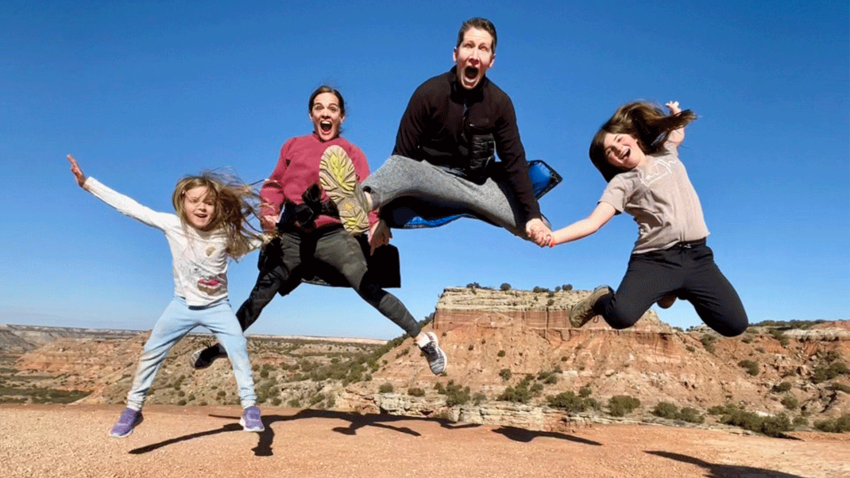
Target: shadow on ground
[(716, 470), (356, 421)]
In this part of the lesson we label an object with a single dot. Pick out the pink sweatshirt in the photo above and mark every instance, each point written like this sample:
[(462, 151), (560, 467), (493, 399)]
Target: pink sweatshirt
[(298, 169)]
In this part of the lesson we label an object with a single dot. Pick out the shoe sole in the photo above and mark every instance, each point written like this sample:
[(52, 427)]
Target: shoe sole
[(433, 337), (254, 430), (582, 312), (339, 180)]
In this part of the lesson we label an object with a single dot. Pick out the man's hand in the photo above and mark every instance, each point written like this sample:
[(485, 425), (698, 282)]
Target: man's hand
[(379, 235), (537, 231)]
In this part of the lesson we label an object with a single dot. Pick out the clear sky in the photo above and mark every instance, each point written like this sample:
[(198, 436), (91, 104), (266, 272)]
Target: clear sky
[(143, 93)]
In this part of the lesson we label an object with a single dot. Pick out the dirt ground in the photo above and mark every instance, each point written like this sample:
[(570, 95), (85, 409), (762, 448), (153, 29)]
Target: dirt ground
[(72, 441)]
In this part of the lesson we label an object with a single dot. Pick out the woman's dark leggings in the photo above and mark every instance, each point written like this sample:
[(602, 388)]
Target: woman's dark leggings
[(686, 270), (325, 248)]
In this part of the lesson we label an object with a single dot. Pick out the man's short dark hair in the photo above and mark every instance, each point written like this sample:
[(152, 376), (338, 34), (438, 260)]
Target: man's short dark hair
[(481, 24)]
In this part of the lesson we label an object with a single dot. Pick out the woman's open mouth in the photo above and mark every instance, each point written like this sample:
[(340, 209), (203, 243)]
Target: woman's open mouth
[(326, 126)]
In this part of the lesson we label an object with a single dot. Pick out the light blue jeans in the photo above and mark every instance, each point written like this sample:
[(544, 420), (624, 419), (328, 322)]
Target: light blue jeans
[(175, 322)]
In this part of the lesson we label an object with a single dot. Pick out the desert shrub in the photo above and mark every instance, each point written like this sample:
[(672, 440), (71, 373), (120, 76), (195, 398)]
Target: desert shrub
[(800, 421), (415, 392), (690, 415), (294, 403), (779, 336), (456, 395), (789, 402), (276, 401), (331, 402), (440, 388), (385, 388), (747, 339), (831, 356), (471, 347), (722, 409), (584, 392), (567, 287), (181, 402), (690, 348), (665, 410), (622, 405), (550, 302), (569, 402), (760, 350), (782, 387), (708, 342), (501, 353), (505, 286), (839, 425), (750, 366), (316, 398), (505, 373), (771, 426), (521, 393), (479, 398)]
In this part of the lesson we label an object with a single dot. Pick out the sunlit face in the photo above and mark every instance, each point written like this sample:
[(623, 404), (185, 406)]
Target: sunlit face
[(326, 116), (199, 207), (473, 57), (622, 151)]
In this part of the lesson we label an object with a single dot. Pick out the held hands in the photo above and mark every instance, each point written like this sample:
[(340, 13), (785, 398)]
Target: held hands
[(673, 106), (538, 232), (78, 173)]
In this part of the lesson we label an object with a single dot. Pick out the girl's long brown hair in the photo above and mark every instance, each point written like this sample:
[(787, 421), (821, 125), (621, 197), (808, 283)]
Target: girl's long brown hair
[(235, 203), (646, 122)]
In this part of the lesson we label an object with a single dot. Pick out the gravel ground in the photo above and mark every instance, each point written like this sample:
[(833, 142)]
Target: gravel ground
[(72, 441)]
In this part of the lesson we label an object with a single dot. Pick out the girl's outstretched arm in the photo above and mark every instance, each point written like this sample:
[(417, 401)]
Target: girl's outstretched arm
[(78, 173), (584, 227), (677, 135)]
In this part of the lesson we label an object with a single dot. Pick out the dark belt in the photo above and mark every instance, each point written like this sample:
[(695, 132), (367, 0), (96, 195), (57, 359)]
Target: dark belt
[(690, 244)]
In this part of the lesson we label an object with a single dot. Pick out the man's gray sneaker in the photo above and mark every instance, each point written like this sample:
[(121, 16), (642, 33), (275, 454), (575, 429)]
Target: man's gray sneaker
[(434, 354), (582, 311), (203, 358)]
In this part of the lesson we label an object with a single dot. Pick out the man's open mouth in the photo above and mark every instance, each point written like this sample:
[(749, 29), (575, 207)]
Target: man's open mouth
[(470, 72)]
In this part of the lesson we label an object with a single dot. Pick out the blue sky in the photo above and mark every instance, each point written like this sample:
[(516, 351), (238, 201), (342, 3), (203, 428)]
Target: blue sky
[(143, 93)]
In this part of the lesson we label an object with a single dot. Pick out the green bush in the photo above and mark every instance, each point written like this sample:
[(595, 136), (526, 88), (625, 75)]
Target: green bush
[(770, 426), (386, 388), (690, 415), (782, 387), (789, 402), (505, 286), (622, 405), (505, 373), (584, 392), (455, 395), (665, 410), (570, 402), (839, 425), (479, 398), (750, 366), (501, 353), (707, 341), (415, 392)]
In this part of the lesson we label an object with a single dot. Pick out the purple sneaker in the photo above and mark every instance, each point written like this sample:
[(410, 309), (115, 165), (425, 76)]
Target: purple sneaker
[(126, 422), (251, 421)]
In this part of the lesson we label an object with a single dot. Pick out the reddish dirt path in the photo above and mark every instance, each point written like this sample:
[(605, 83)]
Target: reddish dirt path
[(71, 441)]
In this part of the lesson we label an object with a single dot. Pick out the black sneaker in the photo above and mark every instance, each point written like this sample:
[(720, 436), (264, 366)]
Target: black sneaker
[(434, 354), (203, 358), (582, 311)]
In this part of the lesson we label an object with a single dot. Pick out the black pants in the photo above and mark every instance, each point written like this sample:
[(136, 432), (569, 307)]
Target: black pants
[(689, 272), (303, 254)]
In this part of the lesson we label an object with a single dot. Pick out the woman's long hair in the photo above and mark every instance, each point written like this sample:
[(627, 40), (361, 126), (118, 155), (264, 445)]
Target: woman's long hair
[(235, 203), (647, 123)]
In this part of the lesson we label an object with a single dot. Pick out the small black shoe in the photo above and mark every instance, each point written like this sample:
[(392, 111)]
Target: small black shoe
[(203, 358)]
